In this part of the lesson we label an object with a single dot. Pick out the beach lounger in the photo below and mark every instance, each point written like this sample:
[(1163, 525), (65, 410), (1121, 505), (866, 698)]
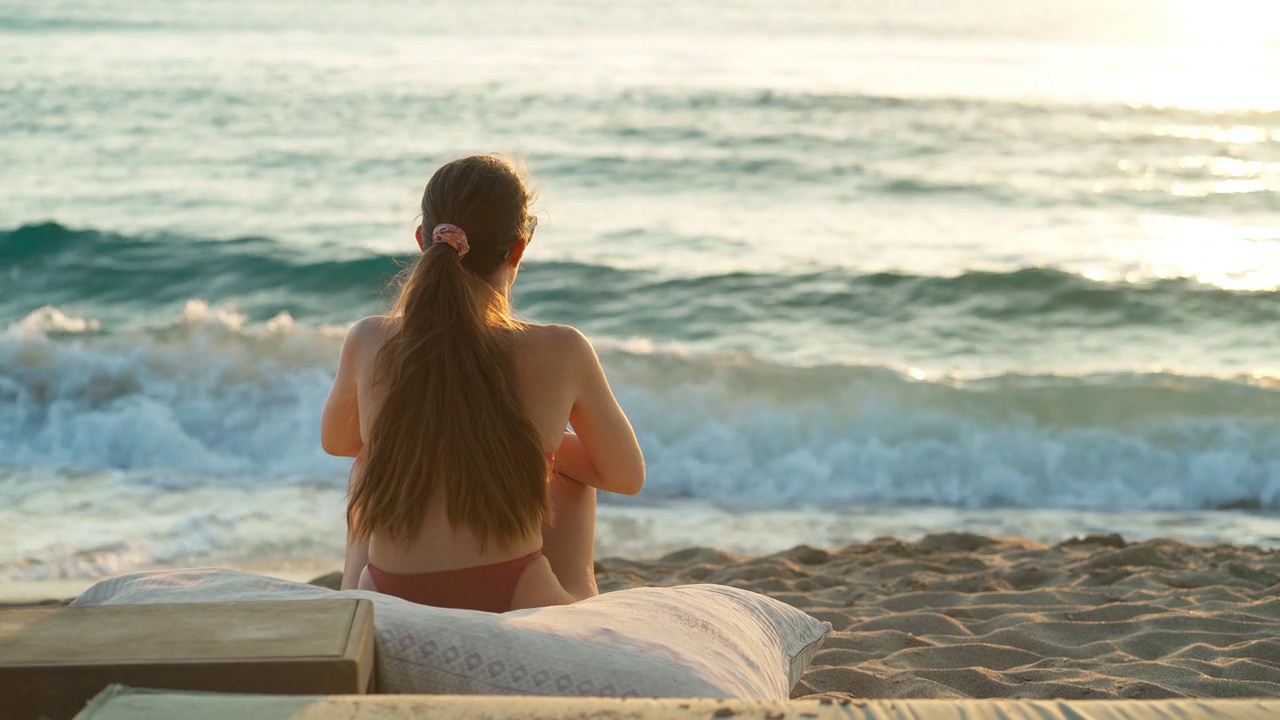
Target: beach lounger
[(53, 660)]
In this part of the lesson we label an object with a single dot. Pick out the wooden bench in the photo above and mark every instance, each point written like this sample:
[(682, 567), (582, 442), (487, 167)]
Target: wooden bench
[(53, 660)]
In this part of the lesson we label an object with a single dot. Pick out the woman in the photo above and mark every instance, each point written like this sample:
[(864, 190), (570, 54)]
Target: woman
[(467, 490)]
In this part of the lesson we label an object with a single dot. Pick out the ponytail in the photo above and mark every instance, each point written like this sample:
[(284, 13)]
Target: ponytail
[(450, 427)]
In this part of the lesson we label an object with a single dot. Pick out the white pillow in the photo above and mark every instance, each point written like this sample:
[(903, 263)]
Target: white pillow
[(687, 641)]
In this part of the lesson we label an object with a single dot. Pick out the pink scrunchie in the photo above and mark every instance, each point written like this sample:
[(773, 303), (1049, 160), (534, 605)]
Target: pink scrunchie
[(451, 235)]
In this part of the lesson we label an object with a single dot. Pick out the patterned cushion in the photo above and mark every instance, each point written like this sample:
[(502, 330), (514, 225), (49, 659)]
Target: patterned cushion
[(687, 641)]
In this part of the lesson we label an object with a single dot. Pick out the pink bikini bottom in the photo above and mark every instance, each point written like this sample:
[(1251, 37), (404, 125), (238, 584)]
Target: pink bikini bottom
[(490, 588)]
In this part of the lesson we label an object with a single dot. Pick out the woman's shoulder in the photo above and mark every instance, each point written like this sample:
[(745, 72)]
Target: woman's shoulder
[(556, 349), (370, 328), (367, 334), (558, 338)]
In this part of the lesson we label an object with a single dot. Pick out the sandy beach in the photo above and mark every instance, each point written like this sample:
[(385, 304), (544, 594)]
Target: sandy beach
[(959, 615)]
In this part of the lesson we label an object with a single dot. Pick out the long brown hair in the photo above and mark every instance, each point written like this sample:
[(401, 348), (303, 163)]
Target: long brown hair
[(450, 427)]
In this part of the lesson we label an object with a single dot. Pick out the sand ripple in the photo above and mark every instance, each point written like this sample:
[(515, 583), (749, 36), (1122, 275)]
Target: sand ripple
[(962, 615)]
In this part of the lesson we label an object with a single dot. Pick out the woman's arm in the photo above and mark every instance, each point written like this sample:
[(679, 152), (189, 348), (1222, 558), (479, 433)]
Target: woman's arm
[(357, 557), (604, 447), (573, 461), (340, 421)]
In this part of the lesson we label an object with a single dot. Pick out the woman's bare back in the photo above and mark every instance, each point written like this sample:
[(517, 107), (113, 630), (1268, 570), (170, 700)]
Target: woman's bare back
[(558, 381)]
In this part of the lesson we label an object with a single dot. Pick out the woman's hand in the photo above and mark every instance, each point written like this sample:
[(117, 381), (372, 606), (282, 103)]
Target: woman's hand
[(573, 462)]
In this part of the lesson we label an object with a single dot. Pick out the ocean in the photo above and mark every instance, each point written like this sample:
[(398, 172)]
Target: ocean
[(854, 269)]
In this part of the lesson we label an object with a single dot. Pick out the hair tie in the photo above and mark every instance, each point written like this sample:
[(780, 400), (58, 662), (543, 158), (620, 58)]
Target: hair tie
[(451, 235)]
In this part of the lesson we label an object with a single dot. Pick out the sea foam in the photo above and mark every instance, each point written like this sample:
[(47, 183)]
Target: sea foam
[(211, 394)]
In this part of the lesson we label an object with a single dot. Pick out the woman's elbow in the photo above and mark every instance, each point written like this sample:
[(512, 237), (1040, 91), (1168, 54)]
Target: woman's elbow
[(631, 485), (342, 447)]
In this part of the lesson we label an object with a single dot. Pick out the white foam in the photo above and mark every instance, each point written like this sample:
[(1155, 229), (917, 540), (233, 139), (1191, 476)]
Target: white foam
[(214, 395), (210, 394), (868, 444), (199, 312), (48, 320)]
